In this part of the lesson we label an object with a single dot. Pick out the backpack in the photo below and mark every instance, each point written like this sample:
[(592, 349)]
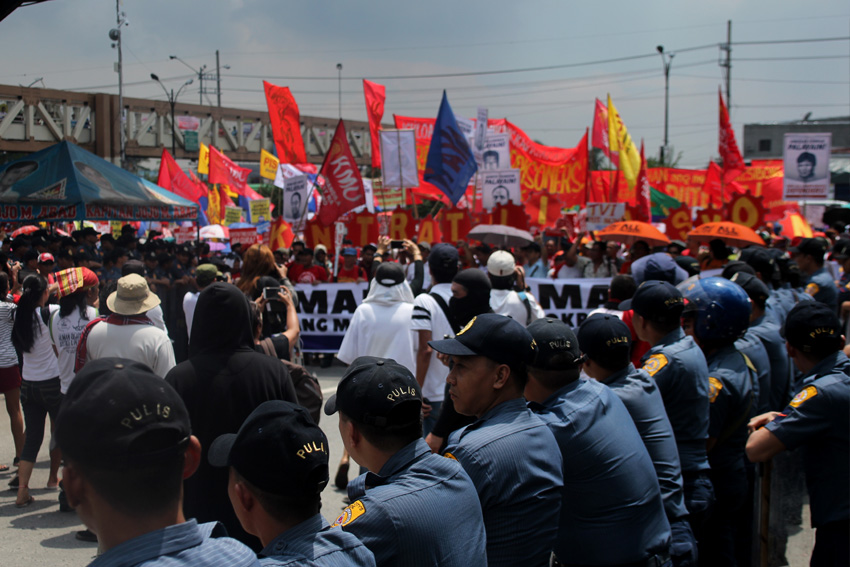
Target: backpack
[(307, 388)]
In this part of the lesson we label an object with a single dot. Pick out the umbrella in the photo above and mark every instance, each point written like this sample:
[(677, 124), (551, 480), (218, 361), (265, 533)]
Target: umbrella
[(29, 229), (215, 231), (731, 233), (501, 235), (629, 232), (217, 246)]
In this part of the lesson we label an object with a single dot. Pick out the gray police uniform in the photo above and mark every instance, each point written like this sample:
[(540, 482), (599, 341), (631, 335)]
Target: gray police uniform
[(642, 399), (609, 481), (822, 287), (514, 462), (679, 369), (767, 331), (188, 544), (750, 346), (419, 510), (313, 543), (818, 420), (731, 379)]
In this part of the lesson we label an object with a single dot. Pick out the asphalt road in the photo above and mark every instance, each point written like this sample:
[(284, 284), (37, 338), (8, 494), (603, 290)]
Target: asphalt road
[(41, 535)]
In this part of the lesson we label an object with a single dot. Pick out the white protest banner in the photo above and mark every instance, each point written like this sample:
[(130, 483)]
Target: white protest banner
[(184, 234), (500, 188), (398, 159), (296, 191), (496, 153), (326, 309), (806, 158), (481, 128), (244, 236), (600, 215), (370, 195)]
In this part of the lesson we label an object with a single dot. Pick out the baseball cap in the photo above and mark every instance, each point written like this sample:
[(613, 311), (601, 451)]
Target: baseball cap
[(533, 246), (118, 413), (657, 301), (557, 345), (389, 274), (493, 336), (501, 263), (443, 256), (349, 251), (841, 250), (735, 267), (205, 274), (811, 246), (813, 327), (279, 449), (761, 261), (755, 288), (45, 258), (379, 392), (658, 266), (603, 336)]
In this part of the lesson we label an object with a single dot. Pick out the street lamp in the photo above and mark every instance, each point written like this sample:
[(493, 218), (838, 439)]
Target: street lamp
[(172, 100), (339, 82), (200, 73), (667, 60)]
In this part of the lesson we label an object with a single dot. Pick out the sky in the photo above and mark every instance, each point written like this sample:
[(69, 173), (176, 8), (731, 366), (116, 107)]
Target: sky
[(299, 44)]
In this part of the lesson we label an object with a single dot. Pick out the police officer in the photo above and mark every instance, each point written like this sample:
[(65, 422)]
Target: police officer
[(816, 419), (809, 255), (418, 508), (606, 342), (678, 368), (510, 454), (278, 468), (127, 443), (766, 269), (841, 254), (610, 484), (717, 314)]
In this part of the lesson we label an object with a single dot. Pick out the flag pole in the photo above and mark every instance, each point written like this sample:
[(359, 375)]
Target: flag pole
[(383, 189)]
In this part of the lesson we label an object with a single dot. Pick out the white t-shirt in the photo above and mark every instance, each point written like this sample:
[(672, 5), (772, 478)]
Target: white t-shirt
[(8, 357), (143, 343), (428, 316), (508, 302), (40, 362), (156, 317), (382, 331), (189, 302), (572, 272), (65, 334)]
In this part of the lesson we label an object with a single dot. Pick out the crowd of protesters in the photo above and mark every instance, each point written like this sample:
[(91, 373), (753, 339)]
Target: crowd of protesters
[(629, 440)]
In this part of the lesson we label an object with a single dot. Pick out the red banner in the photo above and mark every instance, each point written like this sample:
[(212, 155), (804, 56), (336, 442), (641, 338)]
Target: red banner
[(225, 172), (316, 232), (343, 184), (559, 171), (733, 162), (600, 132), (746, 210), (402, 226), (375, 95), (286, 124), (685, 185), (429, 231), (543, 209), (244, 236), (454, 224), (679, 223), (506, 215), (171, 177), (280, 235), (362, 228)]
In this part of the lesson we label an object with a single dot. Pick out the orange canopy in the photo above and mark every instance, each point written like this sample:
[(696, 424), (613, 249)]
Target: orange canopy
[(729, 232), (629, 232)]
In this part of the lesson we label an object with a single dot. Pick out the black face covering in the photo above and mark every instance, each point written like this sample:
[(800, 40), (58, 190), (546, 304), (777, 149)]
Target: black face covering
[(477, 300)]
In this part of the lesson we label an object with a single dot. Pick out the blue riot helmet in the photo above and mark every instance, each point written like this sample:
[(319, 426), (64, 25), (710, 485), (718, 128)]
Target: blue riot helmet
[(720, 307)]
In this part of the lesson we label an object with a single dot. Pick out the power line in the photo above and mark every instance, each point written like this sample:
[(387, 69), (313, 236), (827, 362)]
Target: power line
[(777, 41), (800, 105), (794, 81), (801, 58)]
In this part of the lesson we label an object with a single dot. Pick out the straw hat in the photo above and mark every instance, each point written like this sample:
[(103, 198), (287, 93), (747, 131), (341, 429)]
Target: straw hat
[(133, 296)]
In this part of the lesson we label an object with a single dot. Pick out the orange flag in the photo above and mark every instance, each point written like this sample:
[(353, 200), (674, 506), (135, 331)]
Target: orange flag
[(286, 124)]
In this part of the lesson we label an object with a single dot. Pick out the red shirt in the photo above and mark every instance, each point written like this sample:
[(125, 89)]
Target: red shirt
[(314, 274), (350, 276)]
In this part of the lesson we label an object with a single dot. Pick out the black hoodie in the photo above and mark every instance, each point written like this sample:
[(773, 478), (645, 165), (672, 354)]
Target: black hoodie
[(223, 381)]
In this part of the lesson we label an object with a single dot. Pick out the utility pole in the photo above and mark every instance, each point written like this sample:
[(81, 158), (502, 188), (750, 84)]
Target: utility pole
[(115, 36), (218, 78), (727, 64), (667, 60), (339, 82)]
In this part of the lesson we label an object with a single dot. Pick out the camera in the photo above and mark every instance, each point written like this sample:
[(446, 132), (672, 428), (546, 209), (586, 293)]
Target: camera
[(396, 244), (271, 292)]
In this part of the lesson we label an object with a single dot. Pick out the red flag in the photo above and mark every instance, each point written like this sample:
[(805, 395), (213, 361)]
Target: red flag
[(643, 208), (171, 177), (225, 172), (286, 124), (280, 235), (343, 184), (713, 186), (600, 132), (375, 95), (733, 162)]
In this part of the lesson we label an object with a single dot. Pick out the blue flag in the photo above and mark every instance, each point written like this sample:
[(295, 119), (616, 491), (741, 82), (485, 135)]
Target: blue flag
[(451, 163)]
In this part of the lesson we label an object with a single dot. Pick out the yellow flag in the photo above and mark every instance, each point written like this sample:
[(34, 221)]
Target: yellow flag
[(214, 208), (204, 160), (268, 165), (620, 141)]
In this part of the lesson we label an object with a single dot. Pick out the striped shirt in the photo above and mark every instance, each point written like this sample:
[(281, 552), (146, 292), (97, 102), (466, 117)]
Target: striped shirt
[(429, 316), (8, 357), (188, 543), (313, 543), (515, 465)]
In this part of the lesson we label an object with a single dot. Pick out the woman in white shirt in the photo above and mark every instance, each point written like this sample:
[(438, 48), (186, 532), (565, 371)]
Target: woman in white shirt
[(10, 373), (40, 388), (77, 308)]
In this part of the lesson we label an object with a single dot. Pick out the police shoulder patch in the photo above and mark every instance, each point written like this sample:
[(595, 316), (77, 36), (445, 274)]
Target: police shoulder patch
[(804, 394), (349, 514), (450, 456), (714, 387), (812, 289), (655, 363)]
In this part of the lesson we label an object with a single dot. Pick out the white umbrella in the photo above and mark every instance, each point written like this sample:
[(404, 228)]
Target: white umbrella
[(501, 235), (214, 231)]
